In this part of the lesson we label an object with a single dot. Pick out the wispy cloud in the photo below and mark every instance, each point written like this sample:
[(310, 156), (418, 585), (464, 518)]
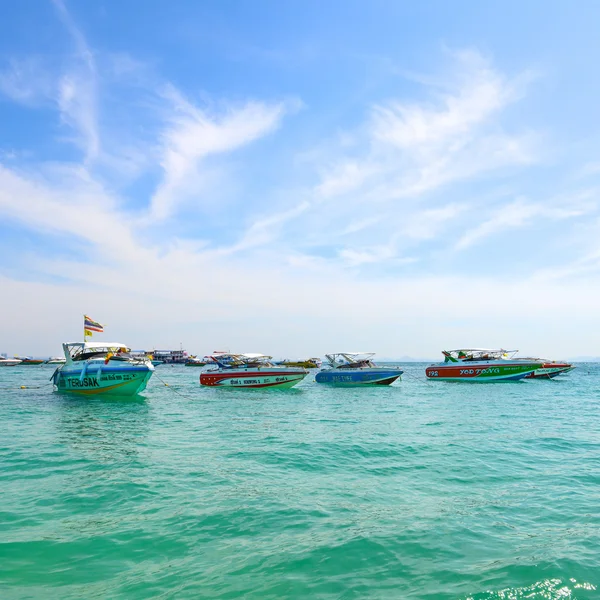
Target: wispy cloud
[(519, 213), (26, 80), (193, 134), (376, 198), (77, 91), (414, 148), (368, 205)]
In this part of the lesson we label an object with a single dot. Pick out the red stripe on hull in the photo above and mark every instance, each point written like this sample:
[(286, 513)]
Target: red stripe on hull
[(550, 370), (252, 379)]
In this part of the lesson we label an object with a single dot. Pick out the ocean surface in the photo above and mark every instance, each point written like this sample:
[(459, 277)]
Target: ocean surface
[(420, 490)]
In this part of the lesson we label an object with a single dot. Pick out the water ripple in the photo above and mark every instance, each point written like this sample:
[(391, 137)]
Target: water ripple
[(417, 491)]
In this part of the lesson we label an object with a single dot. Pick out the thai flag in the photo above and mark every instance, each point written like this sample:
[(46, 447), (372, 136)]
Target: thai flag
[(91, 325)]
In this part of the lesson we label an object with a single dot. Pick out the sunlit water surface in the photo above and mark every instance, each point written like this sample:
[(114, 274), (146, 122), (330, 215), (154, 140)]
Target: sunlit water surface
[(420, 490)]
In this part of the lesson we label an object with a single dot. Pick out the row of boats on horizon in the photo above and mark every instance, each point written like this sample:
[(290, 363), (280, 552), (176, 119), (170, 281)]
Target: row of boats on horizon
[(112, 368)]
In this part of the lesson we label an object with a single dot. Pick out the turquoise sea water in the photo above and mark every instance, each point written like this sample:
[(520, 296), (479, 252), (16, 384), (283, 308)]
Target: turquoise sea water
[(420, 490)]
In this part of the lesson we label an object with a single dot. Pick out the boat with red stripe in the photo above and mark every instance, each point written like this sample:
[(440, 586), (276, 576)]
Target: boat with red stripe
[(550, 369), (250, 371), (481, 365)]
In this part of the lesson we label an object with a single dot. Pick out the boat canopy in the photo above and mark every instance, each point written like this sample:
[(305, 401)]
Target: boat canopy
[(474, 354), (350, 359), (84, 350), (92, 345), (228, 360)]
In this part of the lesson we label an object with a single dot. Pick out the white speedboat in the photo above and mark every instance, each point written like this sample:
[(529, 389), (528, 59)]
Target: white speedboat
[(250, 371), (9, 362), (105, 368), (56, 360)]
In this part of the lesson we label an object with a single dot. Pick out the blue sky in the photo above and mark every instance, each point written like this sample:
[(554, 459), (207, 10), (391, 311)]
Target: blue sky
[(300, 177)]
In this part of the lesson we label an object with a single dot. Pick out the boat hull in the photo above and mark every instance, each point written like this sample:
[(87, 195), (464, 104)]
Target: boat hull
[(9, 362), (481, 371), (551, 370), (102, 379), (253, 378), (358, 377)]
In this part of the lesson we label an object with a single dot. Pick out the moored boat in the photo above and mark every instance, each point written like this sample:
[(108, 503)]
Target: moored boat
[(194, 361), (250, 371), (481, 365), (356, 369), (27, 360), (307, 363), (145, 355), (9, 362), (56, 360), (549, 368), (106, 368)]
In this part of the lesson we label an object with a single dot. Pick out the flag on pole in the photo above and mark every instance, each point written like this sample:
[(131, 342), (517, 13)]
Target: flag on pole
[(89, 325)]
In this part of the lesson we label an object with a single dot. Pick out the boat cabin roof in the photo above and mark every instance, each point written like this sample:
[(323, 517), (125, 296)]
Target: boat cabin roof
[(95, 345), (477, 354), (227, 359), (350, 359), (352, 355), (85, 350)]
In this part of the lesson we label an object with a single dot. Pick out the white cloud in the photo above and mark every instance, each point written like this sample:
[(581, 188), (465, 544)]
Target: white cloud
[(77, 93), (416, 148), (426, 224), (384, 253), (520, 213), (27, 81), (267, 229), (193, 134), (271, 288)]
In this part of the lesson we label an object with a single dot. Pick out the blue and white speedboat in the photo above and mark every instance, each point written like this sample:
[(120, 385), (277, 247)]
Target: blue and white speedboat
[(356, 369), (106, 368)]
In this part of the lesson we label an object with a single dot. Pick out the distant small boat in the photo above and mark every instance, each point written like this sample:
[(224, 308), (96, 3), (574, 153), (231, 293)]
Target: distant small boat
[(193, 361), (56, 360), (307, 363), (9, 362), (27, 360), (250, 371), (144, 355), (356, 369), (481, 365)]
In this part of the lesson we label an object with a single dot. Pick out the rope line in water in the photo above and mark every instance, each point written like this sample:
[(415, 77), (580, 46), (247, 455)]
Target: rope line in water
[(425, 380), (24, 387), (172, 388)]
